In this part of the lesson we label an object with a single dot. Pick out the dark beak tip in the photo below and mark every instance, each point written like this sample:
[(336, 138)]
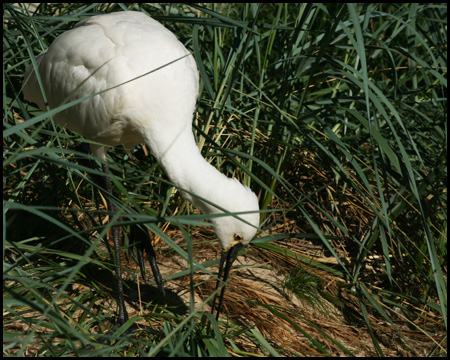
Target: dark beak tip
[(226, 263)]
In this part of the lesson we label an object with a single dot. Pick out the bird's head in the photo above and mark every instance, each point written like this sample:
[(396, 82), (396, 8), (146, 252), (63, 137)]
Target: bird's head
[(241, 226), (233, 230)]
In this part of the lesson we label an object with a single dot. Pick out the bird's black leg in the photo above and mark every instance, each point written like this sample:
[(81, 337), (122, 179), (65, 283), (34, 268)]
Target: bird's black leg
[(144, 243), (123, 315), (219, 277), (226, 259)]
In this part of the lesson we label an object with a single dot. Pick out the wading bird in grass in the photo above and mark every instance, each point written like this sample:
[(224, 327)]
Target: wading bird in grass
[(139, 84)]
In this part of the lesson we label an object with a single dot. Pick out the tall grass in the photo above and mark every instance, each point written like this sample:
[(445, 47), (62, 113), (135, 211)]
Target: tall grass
[(334, 114)]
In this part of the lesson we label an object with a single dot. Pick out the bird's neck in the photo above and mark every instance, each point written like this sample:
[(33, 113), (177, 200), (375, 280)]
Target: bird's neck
[(183, 163)]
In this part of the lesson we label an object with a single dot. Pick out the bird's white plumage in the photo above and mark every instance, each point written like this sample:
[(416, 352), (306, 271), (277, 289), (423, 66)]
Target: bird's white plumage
[(108, 50)]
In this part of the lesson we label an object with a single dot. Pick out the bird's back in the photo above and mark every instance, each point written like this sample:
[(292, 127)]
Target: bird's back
[(109, 51)]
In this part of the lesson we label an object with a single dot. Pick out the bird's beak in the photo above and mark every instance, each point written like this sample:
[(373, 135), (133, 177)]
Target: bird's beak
[(227, 259)]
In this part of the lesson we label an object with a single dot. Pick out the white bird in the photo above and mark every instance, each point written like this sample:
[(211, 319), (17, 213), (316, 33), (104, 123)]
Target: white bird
[(153, 82)]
